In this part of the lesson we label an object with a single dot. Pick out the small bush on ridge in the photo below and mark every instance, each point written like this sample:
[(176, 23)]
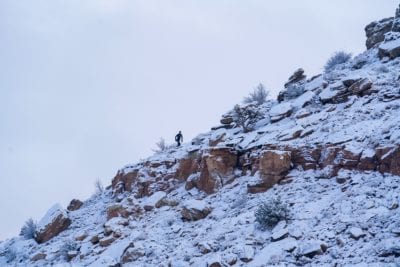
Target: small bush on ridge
[(246, 116), (99, 186), (339, 57), (162, 146), (28, 230), (258, 95)]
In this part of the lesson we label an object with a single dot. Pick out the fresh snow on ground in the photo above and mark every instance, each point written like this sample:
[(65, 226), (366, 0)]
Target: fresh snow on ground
[(349, 220)]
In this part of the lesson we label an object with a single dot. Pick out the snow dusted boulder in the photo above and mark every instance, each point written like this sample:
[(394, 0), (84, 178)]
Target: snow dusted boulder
[(280, 111), (334, 94), (194, 210), (106, 241), (217, 169), (304, 99), (153, 200), (290, 134), (279, 232), (119, 210), (389, 159), (273, 166), (124, 181), (376, 31), (390, 49), (75, 204), (115, 226), (132, 254), (296, 77), (389, 247), (274, 253), (54, 222), (356, 233), (367, 160), (310, 249), (38, 257), (246, 253), (361, 87), (188, 166)]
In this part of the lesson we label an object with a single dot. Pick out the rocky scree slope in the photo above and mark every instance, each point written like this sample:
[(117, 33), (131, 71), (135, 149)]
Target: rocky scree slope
[(330, 153)]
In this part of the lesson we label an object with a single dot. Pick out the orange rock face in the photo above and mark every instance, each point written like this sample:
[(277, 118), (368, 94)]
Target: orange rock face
[(273, 167), (58, 223), (217, 169)]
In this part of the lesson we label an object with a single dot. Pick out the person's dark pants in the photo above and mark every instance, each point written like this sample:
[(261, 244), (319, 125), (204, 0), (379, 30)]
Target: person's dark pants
[(179, 143)]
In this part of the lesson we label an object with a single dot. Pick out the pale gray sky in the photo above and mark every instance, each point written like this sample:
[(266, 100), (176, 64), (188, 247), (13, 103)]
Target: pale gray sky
[(87, 86)]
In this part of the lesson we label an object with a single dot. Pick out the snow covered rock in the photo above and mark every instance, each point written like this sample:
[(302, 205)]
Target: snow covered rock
[(194, 210), (310, 249), (274, 253), (115, 226), (106, 241), (132, 253), (389, 247), (188, 166), (280, 111), (390, 49), (119, 210), (280, 231), (274, 165), (204, 247), (246, 253), (152, 200), (38, 257), (226, 120), (75, 204), (389, 159), (296, 77), (304, 99), (361, 87), (368, 161), (124, 181), (376, 31), (356, 233), (54, 222), (334, 94), (217, 169)]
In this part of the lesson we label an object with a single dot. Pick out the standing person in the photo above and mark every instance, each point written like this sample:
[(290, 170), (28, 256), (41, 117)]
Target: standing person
[(179, 138)]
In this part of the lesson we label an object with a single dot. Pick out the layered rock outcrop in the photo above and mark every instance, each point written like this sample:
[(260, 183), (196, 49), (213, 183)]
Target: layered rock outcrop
[(54, 222)]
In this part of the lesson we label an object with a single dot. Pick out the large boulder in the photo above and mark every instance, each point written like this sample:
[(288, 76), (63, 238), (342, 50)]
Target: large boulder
[(389, 159), (376, 31), (54, 222), (124, 181), (124, 211), (368, 161), (75, 204), (275, 163), (273, 167), (390, 49), (188, 166), (194, 210), (280, 111), (296, 77), (306, 157), (216, 169), (334, 94)]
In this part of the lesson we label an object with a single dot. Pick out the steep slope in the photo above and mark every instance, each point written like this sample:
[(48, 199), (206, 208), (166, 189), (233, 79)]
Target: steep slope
[(330, 153)]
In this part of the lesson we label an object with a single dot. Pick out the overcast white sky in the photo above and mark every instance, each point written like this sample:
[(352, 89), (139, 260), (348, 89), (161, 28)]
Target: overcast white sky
[(87, 86)]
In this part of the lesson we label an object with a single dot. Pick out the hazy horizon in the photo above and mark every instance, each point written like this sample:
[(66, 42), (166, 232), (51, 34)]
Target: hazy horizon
[(87, 87)]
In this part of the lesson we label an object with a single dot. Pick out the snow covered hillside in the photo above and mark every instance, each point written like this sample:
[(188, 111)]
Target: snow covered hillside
[(323, 159)]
